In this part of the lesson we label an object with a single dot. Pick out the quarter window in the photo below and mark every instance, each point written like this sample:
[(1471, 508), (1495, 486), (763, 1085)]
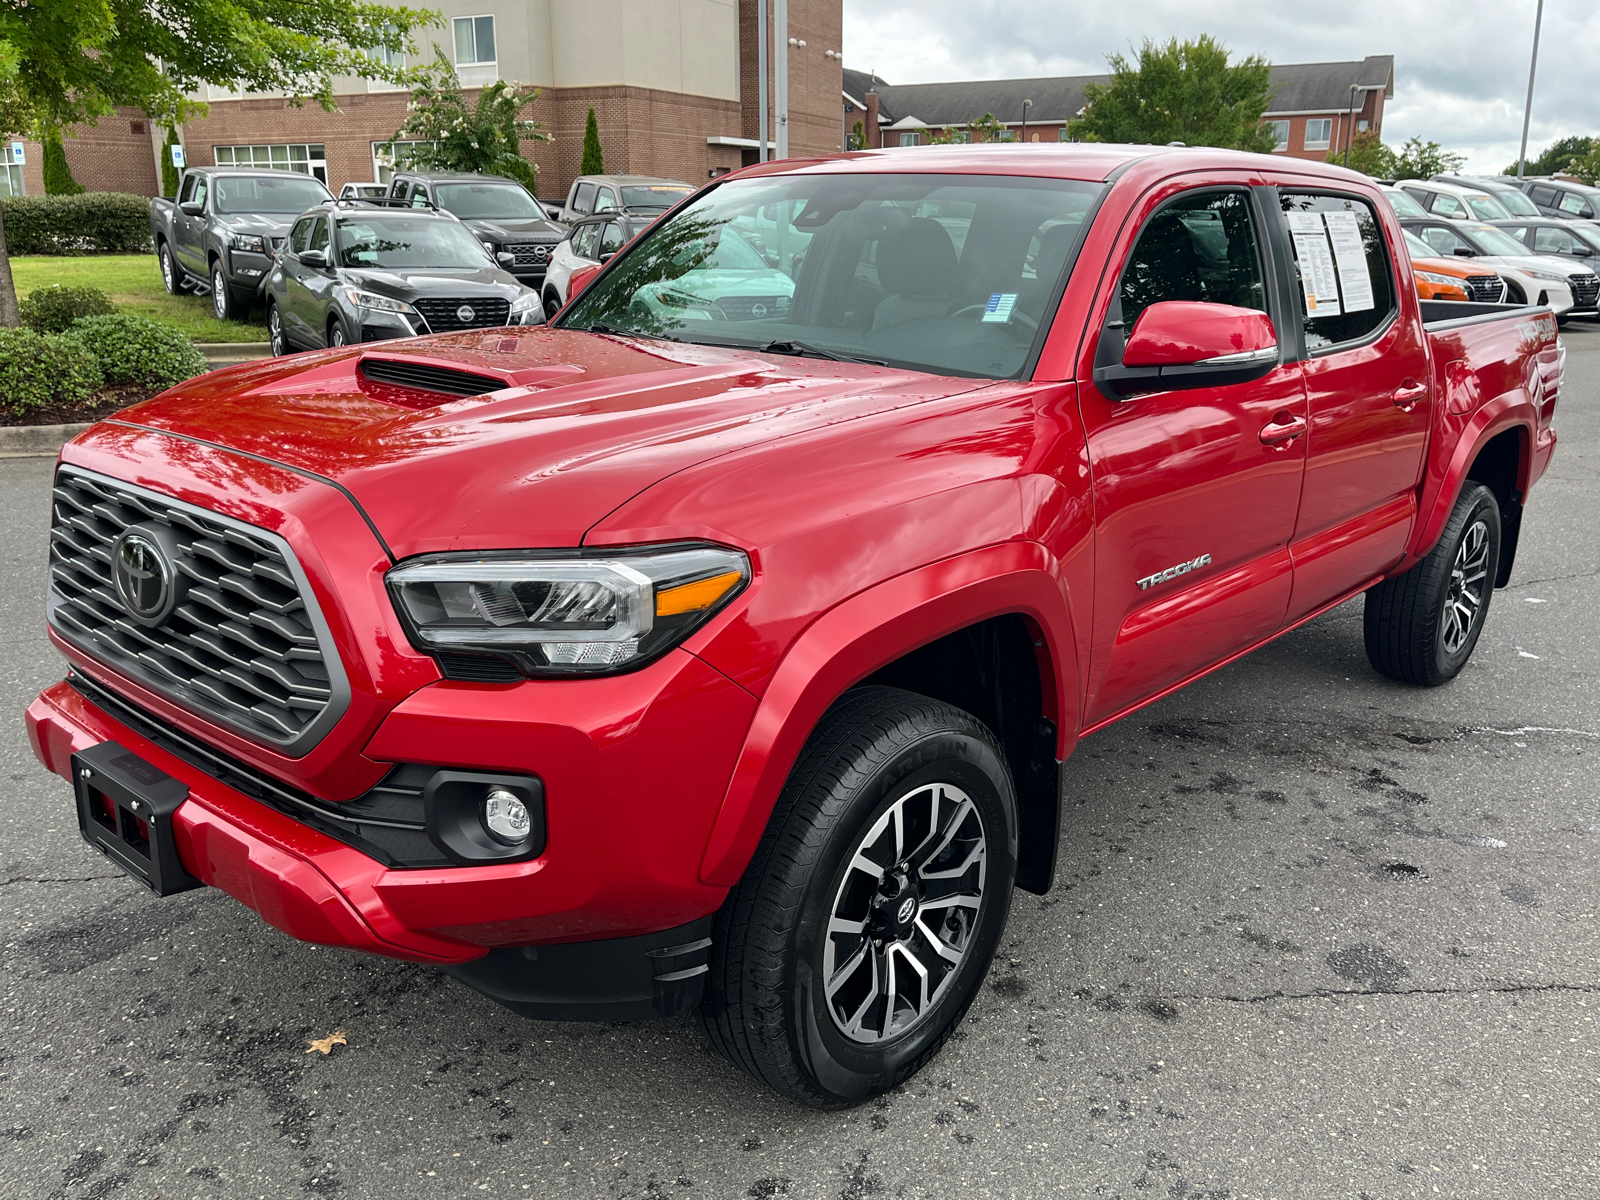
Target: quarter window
[(474, 41), (1346, 290), (1200, 247)]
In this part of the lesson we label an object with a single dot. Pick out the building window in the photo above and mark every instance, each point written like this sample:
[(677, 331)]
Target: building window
[(910, 139), (1280, 131), (1363, 126), (389, 58), (1008, 135), (1318, 131), (474, 41), (385, 162), (11, 181), (306, 159), (1062, 136)]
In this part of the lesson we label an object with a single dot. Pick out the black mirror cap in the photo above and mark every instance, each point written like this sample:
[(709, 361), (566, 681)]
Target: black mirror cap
[(190, 209), (314, 258)]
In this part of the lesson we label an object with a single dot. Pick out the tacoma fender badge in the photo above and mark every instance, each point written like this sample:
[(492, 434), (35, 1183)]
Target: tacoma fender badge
[(1183, 568)]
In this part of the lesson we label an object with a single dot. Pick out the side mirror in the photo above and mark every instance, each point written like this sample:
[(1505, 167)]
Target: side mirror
[(580, 280), (506, 260), (316, 259), (1184, 344), (1462, 252), (607, 256), (190, 209)]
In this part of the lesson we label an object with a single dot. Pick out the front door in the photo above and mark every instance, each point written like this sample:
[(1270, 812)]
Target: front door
[(295, 298), (191, 233), (1369, 387), (1195, 490)]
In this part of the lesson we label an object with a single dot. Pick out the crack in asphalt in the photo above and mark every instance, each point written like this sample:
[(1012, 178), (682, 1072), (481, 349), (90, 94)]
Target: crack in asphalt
[(1511, 587), (1333, 993), (79, 879)]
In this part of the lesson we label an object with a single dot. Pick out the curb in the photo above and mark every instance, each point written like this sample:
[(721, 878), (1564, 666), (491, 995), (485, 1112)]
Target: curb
[(37, 441), (226, 354)]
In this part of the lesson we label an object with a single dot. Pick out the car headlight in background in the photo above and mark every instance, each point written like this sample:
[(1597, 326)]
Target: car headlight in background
[(365, 299), (1433, 277), (489, 249), (555, 613), (527, 305), (1546, 276), (254, 243)]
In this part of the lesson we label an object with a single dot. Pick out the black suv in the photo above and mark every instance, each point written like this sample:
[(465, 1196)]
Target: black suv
[(502, 213)]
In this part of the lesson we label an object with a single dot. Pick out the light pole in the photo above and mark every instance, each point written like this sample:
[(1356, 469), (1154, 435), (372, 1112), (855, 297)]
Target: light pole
[(1026, 105), (1350, 123), (1527, 107), (761, 70)]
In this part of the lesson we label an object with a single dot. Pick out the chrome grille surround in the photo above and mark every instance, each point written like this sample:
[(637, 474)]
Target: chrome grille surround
[(1585, 288), (440, 314), (1485, 289), (530, 254), (246, 647)]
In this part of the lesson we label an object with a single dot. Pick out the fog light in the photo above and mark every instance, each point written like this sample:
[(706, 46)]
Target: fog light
[(505, 817)]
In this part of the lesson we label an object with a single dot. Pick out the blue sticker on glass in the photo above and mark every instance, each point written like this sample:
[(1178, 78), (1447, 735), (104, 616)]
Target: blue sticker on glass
[(1000, 306)]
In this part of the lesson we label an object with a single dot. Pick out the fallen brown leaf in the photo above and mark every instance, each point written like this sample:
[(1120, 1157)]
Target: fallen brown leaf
[(326, 1045)]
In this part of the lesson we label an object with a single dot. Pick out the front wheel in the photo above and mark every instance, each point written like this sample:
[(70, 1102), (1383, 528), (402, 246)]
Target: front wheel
[(275, 338), (338, 335), (169, 270), (1421, 627), (866, 921)]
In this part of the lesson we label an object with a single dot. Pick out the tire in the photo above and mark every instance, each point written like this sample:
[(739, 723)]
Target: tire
[(1421, 627), (275, 335), (170, 278), (552, 303), (222, 305), (338, 335), (768, 1007)]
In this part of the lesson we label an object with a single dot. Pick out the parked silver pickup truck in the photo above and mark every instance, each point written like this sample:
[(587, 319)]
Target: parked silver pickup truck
[(220, 234)]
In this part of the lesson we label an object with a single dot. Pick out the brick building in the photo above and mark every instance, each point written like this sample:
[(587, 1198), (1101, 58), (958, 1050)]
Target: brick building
[(1314, 106), (672, 83)]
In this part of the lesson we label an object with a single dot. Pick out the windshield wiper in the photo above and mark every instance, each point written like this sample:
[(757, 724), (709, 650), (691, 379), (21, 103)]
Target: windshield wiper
[(806, 350)]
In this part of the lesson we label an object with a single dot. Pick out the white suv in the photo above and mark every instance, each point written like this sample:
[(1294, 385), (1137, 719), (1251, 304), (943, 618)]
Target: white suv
[(1453, 201)]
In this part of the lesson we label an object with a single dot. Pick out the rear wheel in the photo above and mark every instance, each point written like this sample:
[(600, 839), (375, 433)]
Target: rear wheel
[(1421, 627), (864, 925)]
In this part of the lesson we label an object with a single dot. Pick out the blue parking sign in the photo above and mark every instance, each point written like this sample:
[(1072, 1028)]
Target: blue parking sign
[(19, 154)]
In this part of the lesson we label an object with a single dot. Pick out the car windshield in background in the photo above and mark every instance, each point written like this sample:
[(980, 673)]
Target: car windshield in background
[(1420, 248), (408, 244), (658, 196), (947, 273), (1490, 240), (1486, 207), (487, 201), (1403, 204), (279, 195), (1517, 204)]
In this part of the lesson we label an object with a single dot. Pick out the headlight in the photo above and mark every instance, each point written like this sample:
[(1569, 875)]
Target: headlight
[(527, 302), (565, 613), (364, 299), (676, 299), (1446, 280), (251, 242), (1546, 276), (489, 248)]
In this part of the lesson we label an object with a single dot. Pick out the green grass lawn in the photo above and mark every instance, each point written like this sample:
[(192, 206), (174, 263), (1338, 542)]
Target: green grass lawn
[(133, 281)]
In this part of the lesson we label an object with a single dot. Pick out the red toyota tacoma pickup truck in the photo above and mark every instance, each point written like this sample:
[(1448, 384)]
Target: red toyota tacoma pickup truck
[(716, 648)]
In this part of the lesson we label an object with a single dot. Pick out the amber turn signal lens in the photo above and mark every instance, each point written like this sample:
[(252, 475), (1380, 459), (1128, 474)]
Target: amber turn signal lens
[(693, 597)]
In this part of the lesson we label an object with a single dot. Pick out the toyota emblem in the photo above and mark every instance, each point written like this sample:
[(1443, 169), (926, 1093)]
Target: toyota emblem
[(758, 310), (908, 906), (464, 314), (142, 574)]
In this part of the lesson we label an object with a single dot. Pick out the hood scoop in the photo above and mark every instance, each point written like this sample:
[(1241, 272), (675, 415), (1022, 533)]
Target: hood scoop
[(425, 377)]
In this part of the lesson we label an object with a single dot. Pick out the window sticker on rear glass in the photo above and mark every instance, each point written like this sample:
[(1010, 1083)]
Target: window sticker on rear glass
[(1000, 306), (1316, 264), (1350, 253)]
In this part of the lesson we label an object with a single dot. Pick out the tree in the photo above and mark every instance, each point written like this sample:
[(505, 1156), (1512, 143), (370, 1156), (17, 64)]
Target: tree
[(69, 62), (1418, 159), (1368, 155), (593, 163), (1586, 166), (1557, 156), (485, 136), (58, 180), (858, 136), (1180, 92), (169, 173)]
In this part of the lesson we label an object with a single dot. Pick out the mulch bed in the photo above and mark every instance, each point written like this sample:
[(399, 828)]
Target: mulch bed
[(102, 404)]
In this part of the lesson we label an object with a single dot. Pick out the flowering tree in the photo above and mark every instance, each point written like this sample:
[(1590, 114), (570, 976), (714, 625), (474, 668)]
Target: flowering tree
[(460, 136)]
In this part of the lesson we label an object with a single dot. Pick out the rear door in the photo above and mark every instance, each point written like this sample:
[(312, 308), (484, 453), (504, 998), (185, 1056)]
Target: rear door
[(1368, 384), (1195, 491)]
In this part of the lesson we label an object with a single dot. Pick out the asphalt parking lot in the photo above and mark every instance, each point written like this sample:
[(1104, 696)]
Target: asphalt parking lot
[(1315, 934)]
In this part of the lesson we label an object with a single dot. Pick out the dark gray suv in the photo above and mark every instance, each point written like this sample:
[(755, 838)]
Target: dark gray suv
[(500, 212), (355, 272)]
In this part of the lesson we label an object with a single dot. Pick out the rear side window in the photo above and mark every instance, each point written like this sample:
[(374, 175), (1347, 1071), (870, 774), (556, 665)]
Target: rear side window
[(1575, 204), (1346, 288), (1199, 247), (1556, 241), (583, 198)]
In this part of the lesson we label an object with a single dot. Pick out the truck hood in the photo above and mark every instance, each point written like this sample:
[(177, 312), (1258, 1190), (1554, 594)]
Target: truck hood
[(528, 227), (255, 223), (579, 424), (421, 284)]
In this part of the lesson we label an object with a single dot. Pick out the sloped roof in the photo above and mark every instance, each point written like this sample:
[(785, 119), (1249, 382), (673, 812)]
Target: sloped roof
[(1296, 87)]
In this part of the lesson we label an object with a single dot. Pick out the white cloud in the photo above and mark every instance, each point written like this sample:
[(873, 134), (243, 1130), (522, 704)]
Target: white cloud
[(1461, 66)]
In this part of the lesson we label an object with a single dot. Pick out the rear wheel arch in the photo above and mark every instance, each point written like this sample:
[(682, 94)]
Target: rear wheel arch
[(1495, 448), (1501, 465)]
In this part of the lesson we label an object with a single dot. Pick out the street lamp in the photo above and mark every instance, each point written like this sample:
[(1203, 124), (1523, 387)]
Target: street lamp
[(1527, 108), (1350, 123), (1026, 105)]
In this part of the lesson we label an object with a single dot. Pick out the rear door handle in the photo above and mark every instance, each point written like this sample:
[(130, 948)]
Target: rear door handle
[(1282, 430), (1408, 393)]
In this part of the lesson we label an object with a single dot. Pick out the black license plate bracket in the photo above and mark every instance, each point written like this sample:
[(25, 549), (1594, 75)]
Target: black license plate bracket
[(125, 808)]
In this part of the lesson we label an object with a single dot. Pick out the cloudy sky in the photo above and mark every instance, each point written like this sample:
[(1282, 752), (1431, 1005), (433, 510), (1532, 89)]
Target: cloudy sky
[(1461, 66)]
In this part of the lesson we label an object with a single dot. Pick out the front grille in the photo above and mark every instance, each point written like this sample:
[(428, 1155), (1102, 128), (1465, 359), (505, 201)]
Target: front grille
[(242, 646), (445, 315), (1585, 288), (1485, 289), (744, 308), (531, 254), (427, 378)]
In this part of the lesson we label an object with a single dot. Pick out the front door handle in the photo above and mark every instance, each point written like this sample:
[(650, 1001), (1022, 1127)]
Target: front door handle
[(1408, 393), (1282, 429)]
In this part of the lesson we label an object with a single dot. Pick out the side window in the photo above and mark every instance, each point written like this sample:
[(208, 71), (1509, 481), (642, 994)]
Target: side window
[(398, 188), (583, 199), (1421, 197), (1345, 278), (606, 198), (199, 196), (1198, 247), (319, 235), (300, 236), (188, 189), (1445, 241), (1575, 204), (419, 196), (1448, 206), (583, 240), (1554, 241), (611, 239), (1545, 196)]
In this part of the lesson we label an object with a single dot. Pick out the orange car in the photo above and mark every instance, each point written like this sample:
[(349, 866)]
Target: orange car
[(1451, 279)]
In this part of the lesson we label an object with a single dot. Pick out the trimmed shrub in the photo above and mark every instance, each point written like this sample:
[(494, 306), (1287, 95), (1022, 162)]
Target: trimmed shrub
[(58, 180), (91, 223), (37, 369), (169, 173), (132, 349), (594, 162), (53, 309)]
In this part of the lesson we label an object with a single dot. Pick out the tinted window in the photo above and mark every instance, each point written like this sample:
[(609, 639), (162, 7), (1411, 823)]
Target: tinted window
[(611, 238), (300, 236), (947, 273), (1200, 247), (583, 198), (319, 234), (1346, 288), (1543, 195), (1445, 242), (583, 239), (280, 194), (487, 201), (1572, 202), (408, 243)]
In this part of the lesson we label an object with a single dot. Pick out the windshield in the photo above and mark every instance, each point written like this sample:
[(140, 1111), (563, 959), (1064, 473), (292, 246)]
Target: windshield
[(408, 244), (1486, 208), (488, 201), (1403, 204), (1517, 204), (276, 194), (1496, 241), (655, 195), (945, 273), (1418, 247)]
